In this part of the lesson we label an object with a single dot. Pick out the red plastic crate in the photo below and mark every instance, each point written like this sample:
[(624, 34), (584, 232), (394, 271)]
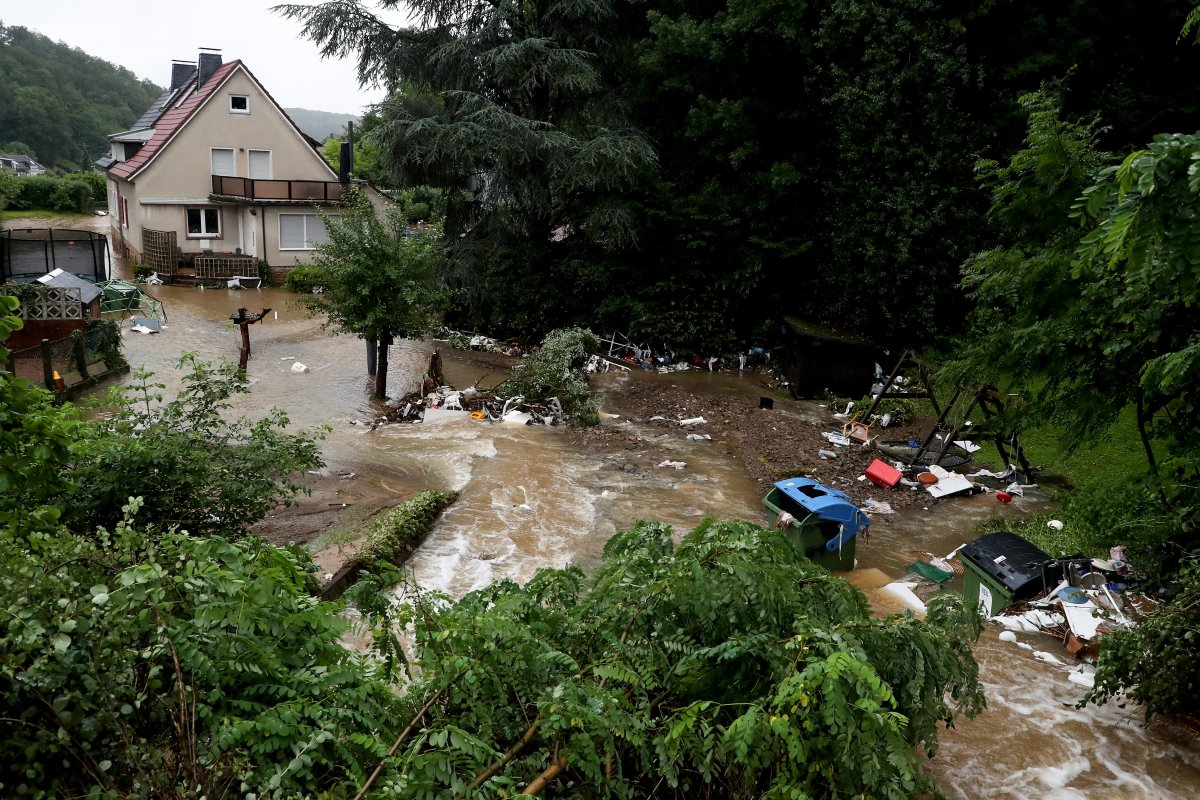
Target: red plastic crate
[(883, 474)]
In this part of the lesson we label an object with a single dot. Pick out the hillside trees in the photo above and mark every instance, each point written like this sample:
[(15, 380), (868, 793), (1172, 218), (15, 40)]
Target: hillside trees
[(519, 119), (61, 102)]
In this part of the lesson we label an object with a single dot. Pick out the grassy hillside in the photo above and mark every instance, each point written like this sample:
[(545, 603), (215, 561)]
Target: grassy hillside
[(60, 103)]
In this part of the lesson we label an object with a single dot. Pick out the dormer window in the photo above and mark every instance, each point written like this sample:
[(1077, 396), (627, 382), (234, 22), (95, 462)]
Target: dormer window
[(239, 104)]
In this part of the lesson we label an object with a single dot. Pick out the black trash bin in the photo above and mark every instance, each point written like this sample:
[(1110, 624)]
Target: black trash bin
[(1002, 567)]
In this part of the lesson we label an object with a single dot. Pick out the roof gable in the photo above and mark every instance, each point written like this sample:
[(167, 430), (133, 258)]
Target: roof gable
[(172, 120), (182, 105)]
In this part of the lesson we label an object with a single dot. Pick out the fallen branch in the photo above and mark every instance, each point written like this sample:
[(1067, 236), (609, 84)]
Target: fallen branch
[(539, 784), (482, 777), (399, 740)]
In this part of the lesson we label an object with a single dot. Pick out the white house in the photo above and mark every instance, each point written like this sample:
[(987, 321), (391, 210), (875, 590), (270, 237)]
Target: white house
[(214, 171)]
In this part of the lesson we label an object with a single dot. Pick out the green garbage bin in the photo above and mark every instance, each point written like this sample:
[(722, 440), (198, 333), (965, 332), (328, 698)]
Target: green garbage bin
[(1002, 567), (824, 522)]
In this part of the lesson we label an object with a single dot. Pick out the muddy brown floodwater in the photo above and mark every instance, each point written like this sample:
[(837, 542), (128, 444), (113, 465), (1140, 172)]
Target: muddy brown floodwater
[(533, 497)]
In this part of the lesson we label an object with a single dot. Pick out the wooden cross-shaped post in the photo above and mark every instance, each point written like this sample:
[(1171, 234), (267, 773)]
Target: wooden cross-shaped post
[(244, 321)]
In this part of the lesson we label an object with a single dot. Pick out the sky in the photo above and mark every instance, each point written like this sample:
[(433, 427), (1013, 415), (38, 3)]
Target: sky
[(146, 37)]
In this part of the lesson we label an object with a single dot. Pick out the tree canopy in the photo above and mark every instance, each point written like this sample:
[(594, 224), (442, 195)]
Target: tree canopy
[(380, 279), (727, 666)]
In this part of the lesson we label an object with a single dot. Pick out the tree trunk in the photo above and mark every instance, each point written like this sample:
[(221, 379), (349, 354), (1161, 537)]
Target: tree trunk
[(381, 367)]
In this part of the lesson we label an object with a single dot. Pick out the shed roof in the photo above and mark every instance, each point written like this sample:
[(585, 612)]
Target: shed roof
[(88, 291)]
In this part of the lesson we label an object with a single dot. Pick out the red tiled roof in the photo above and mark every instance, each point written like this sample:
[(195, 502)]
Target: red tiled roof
[(171, 121)]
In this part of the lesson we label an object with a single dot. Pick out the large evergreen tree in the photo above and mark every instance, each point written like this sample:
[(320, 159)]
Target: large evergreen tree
[(512, 109)]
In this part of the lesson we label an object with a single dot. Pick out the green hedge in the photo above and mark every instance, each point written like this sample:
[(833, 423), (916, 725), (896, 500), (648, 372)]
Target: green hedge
[(401, 530), (44, 192)]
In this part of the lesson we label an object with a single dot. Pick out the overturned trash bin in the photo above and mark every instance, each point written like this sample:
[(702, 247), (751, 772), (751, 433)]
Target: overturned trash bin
[(1002, 567)]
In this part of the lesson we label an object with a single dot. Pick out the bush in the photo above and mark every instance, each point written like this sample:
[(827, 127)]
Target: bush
[(96, 184), (142, 271), (399, 531), (1154, 663), (173, 666), (556, 370), (303, 279), (417, 212), (10, 188), (197, 469), (37, 192)]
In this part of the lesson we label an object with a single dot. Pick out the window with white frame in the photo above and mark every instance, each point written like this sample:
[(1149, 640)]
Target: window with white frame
[(203, 223), (222, 161), (302, 231), (239, 104), (260, 163)]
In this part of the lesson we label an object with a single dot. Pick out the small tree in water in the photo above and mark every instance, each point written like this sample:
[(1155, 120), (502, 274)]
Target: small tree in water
[(380, 278)]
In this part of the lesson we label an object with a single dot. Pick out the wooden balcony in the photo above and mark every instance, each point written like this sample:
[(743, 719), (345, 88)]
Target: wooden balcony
[(278, 191)]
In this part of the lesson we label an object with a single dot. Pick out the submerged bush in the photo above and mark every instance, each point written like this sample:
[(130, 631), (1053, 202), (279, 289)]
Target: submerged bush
[(556, 370)]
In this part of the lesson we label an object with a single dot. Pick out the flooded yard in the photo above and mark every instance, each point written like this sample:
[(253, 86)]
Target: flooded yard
[(533, 497)]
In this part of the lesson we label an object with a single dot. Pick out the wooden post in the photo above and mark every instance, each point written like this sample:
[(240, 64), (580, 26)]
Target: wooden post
[(80, 353), (47, 365), (244, 320)]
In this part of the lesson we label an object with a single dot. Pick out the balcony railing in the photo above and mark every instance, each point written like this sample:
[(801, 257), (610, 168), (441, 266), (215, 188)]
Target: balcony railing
[(263, 189)]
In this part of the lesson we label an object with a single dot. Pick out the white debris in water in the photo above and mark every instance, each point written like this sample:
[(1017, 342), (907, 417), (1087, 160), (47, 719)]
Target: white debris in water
[(1045, 619), (1015, 623), (673, 464), (1084, 678), (299, 368), (1047, 658), (693, 421), (903, 591), (1008, 636)]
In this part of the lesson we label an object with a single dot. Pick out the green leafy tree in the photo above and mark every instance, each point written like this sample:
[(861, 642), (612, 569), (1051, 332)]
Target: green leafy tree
[(725, 666), (10, 188), (1154, 663), (515, 111), (197, 469), (36, 437), (147, 664), (381, 280)]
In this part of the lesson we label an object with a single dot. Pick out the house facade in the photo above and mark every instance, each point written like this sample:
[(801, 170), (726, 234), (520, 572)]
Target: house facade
[(217, 169)]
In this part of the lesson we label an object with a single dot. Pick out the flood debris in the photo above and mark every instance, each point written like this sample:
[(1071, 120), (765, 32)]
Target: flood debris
[(1075, 600)]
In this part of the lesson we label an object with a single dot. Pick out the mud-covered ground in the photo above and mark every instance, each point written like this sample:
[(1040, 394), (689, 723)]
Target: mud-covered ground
[(783, 442)]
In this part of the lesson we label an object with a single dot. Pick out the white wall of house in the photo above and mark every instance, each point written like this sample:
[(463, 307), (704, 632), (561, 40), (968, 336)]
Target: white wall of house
[(238, 131)]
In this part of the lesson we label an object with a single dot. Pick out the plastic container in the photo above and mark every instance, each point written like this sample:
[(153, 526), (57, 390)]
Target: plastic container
[(927, 478), (883, 474)]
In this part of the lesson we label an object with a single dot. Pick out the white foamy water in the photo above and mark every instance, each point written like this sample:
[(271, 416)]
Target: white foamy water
[(526, 501), (1033, 742)]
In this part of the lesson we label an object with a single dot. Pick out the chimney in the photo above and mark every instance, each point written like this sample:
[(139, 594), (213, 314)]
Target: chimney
[(181, 71), (210, 60)]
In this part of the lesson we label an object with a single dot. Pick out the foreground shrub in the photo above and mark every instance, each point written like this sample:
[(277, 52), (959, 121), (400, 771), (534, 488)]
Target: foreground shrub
[(177, 667)]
